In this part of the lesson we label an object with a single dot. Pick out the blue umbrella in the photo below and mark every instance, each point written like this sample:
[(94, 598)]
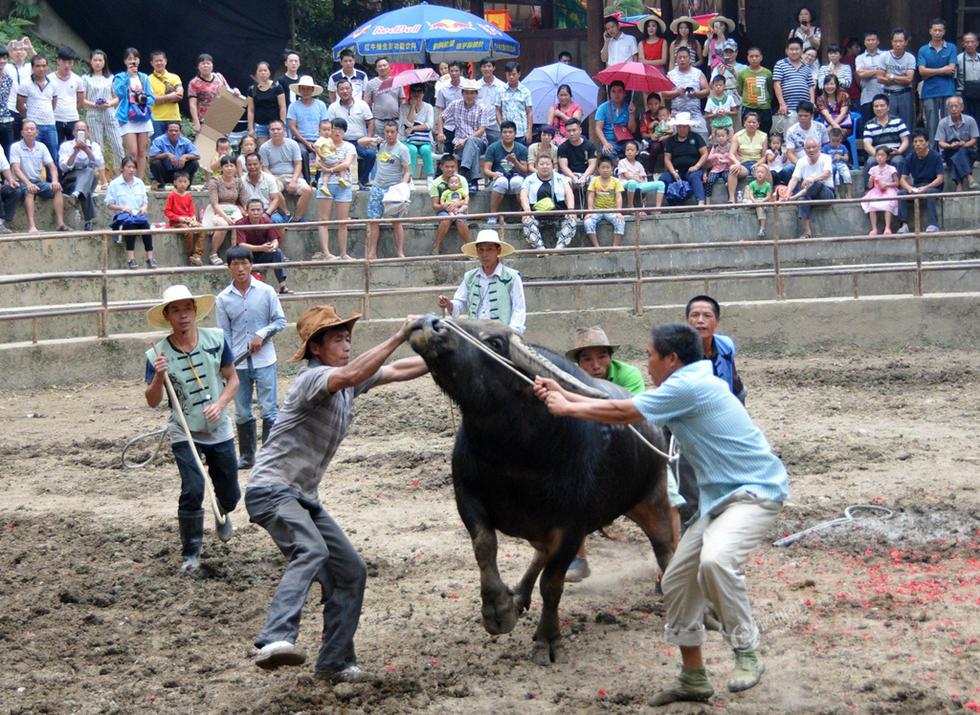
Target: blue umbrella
[(410, 34), (543, 83)]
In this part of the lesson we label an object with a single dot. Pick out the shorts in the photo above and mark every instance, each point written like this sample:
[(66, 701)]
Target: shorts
[(136, 128), (376, 207), (283, 182), (461, 216), (44, 190), (342, 194), (261, 130)]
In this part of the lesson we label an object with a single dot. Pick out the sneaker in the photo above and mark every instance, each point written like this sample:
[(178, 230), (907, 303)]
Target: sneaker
[(283, 290), (343, 183), (762, 233), (132, 264), (195, 260), (932, 228), (227, 530), (350, 674), (117, 240), (324, 191), (151, 263), (690, 686), (275, 655), (89, 225), (492, 220), (748, 671), (904, 229), (215, 260), (63, 228), (4, 229), (578, 570)]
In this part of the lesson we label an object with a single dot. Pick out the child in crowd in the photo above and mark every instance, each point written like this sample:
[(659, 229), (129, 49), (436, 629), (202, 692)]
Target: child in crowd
[(223, 147), (634, 178), (759, 191), (721, 106), (246, 146), (325, 152), (454, 196), (840, 155), (448, 167), (656, 140), (180, 212), (719, 161), (776, 158), (883, 187), (605, 194)]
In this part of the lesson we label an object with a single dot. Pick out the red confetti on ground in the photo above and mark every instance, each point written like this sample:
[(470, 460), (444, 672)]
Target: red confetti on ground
[(10, 525), (416, 482), (602, 692), (973, 706), (391, 668), (454, 596), (152, 698), (434, 662)]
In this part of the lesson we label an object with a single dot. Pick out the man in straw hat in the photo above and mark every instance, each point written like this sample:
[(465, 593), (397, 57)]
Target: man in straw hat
[(493, 291), (282, 491), (202, 370), (304, 117), (469, 118)]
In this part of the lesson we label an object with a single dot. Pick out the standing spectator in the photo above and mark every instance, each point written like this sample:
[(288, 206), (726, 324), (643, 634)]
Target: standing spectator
[(834, 66), (358, 78), (304, 117), (634, 177), (100, 106), (852, 48), (360, 129), (956, 137), (730, 68), (937, 68), (896, 74), (885, 131), (281, 156), (81, 163), (713, 46), (759, 191), (226, 205), (505, 166), (36, 100), (721, 108), (605, 197), (456, 213), (719, 164), (804, 129), (384, 103), (168, 92), (204, 89), (445, 79), (546, 145), (792, 83), (617, 46), (683, 30), (265, 101), (470, 119), (615, 121), (544, 190), (289, 77), (132, 89), (335, 173), (814, 176), (69, 91), (565, 57), (806, 30), (968, 74), (490, 89), (882, 190), (922, 173), (576, 157), (653, 49), (260, 246), (866, 68), (514, 104), (562, 111), (181, 213), (18, 69), (834, 106), (755, 88), (690, 87), (393, 168), (416, 117), (446, 95), (172, 152), (126, 198), (28, 158), (9, 194), (684, 157), (7, 135)]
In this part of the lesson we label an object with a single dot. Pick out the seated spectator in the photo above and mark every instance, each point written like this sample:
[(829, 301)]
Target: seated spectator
[(360, 129), (634, 177), (805, 128), (28, 158), (748, 148), (282, 158), (9, 194), (80, 160), (881, 193), (812, 180), (834, 106), (718, 165), (956, 137), (226, 204), (470, 119), (514, 104), (259, 245), (126, 198), (448, 167), (546, 190), (759, 191), (416, 118), (576, 157), (505, 166), (690, 87), (303, 118), (685, 156), (222, 148), (181, 213), (336, 177), (546, 145), (605, 196), (885, 131), (561, 111), (615, 122), (721, 107), (565, 57), (840, 156), (776, 160), (172, 152), (393, 168), (261, 185), (655, 139), (922, 173)]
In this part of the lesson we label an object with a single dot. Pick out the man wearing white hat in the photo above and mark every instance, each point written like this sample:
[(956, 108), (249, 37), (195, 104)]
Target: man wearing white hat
[(470, 117), (304, 117), (202, 370), (493, 291)]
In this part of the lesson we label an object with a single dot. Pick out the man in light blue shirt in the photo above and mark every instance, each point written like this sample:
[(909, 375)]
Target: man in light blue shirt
[(514, 104), (249, 312), (937, 68), (172, 152), (304, 117), (742, 487)]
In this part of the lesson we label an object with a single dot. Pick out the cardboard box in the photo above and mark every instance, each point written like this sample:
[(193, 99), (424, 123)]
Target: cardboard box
[(222, 116)]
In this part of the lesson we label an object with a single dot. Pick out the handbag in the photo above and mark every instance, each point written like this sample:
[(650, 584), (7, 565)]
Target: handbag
[(622, 133), (677, 192), (396, 199), (971, 88)]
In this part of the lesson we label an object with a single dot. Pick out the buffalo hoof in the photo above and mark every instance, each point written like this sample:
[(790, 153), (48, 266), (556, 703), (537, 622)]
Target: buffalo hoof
[(545, 653), (522, 602), (499, 613)]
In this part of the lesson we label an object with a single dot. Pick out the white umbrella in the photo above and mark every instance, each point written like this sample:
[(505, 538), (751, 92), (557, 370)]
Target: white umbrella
[(543, 82)]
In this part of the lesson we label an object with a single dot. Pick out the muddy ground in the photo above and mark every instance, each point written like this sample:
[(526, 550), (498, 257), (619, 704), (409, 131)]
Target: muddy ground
[(868, 618)]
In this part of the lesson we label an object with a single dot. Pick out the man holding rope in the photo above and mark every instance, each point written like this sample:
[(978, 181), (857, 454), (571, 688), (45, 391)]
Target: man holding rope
[(201, 368)]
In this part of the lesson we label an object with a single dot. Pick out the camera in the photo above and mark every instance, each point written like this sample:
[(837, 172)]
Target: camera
[(141, 99)]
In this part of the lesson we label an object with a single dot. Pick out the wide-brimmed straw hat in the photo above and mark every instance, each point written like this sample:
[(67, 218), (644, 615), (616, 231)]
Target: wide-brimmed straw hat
[(652, 18), (469, 85), (155, 316), (306, 81), (315, 319), (676, 22), (729, 22), (487, 235), (594, 337), (682, 119)]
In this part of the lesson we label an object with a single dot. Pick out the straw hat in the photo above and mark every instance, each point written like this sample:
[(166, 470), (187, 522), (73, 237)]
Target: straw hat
[(487, 235), (676, 22), (594, 337), (315, 319), (306, 81), (682, 119), (155, 317), (469, 85), (729, 23), (652, 18)]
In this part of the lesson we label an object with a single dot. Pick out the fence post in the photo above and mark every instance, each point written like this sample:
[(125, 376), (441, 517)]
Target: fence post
[(917, 289), (103, 316), (366, 303), (638, 286), (777, 276)]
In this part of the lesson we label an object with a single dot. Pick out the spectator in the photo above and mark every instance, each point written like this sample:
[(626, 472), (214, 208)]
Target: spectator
[(956, 137), (776, 159), (565, 57), (69, 91), (490, 89), (222, 148), (203, 89), (615, 121), (804, 129), (937, 68), (80, 160), (756, 90), (853, 48), (126, 198), (257, 246), (896, 74), (576, 157), (721, 107), (593, 353), (291, 62), (132, 89), (617, 46), (505, 166), (416, 117), (546, 145), (605, 196), (360, 129), (9, 194), (685, 156), (100, 103), (634, 177), (303, 118), (36, 101), (712, 51), (446, 95), (393, 168), (866, 67), (282, 158), (719, 165), (834, 106), (18, 69), (840, 158), (262, 185), (358, 78), (882, 190), (335, 174), (226, 205), (683, 30), (759, 191), (246, 146), (544, 190), (814, 176), (470, 119), (172, 152), (690, 87), (748, 149), (28, 158), (792, 83), (265, 100), (181, 213), (562, 111), (493, 291), (168, 92), (654, 130), (922, 173), (6, 116), (885, 130), (729, 68), (514, 104), (834, 66), (384, 103), (968, 75), (653, 49), (806, 31), (448, 166)]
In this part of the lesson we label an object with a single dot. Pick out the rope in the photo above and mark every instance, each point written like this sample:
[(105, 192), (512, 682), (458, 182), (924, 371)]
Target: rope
[(162, 432), (846, 519)]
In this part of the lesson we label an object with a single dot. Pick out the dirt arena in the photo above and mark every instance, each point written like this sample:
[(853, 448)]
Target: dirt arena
[(878, 617)]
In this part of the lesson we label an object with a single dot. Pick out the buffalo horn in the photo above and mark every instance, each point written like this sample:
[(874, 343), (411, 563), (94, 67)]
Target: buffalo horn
[(530, 360)]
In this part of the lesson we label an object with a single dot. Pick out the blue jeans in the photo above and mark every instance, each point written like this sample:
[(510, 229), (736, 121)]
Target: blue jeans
[(264, 381), (222, 468), (47, 134), (817, 192), (905, 208), (159, 128), (694, 178), (271, 257), (365, 162)]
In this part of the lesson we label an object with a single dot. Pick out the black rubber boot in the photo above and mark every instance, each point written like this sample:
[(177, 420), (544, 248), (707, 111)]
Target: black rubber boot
[(246, 444), (266, 428), (191, 537)]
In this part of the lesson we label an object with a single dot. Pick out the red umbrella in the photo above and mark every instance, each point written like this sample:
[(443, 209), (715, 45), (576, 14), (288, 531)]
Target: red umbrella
[(636, 76), (416, 76)]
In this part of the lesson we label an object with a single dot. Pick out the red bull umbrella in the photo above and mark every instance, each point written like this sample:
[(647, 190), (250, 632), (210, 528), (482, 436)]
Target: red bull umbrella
[(428, 33)]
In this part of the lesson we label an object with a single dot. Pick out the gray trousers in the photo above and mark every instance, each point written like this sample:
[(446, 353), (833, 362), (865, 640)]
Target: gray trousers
[(469, 157), (317, 549), (82, 182), (902, 105), (933, 109)]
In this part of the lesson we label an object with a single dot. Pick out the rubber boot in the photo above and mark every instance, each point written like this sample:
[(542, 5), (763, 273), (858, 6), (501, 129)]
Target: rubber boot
[(191, 537), (266, 428), (690, 686), (227, 530), (246, 444), (748, 671)]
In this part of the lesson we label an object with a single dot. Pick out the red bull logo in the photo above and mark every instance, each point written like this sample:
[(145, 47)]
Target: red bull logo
[(397, 30), (450, 25), (360, 31)]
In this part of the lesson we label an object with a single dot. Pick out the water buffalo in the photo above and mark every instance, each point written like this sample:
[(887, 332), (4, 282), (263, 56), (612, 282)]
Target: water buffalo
[(519, 470)]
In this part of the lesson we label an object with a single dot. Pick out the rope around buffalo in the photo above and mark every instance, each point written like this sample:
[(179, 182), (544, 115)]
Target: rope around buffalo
[(672, 457)]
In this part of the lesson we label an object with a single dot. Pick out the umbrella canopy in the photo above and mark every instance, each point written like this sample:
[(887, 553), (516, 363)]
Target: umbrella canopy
[(637, 77), (409, 77), (543, 83), (424, 32)]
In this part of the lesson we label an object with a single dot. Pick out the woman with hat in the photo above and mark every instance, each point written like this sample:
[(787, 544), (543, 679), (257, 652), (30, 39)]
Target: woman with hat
[(683, 28), (202, 370), (685, 154), (282, 494), (720, 27), (492, 291), (653, 49)]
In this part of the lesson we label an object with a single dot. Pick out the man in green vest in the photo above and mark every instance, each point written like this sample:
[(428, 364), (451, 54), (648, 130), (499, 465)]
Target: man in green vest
[(493, 291), (202, 371)]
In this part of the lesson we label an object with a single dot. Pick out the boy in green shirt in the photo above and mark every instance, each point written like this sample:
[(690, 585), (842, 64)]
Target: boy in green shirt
[(760, 192), (755, 88)]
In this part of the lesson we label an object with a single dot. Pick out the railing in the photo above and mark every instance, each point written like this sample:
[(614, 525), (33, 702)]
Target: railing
[(103, 308)]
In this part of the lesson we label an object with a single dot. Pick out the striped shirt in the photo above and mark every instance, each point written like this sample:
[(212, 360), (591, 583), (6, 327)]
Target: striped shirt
[(466, 120), (889, 135), (795, 82), (358, 82)]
